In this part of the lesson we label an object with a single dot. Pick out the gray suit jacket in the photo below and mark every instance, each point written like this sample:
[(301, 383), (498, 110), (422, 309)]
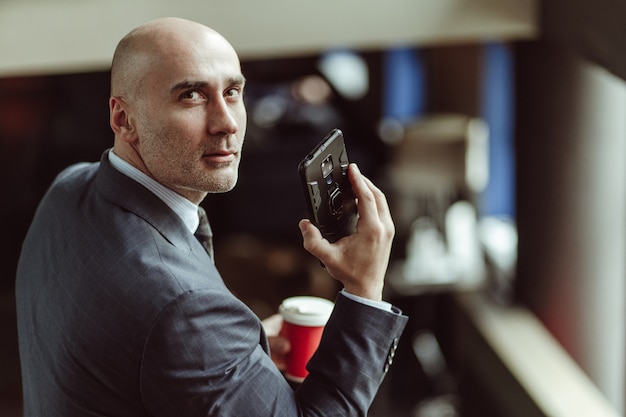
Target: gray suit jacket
[(122, 313)]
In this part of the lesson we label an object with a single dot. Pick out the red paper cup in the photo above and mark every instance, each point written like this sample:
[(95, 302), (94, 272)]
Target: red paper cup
[(304, 319)]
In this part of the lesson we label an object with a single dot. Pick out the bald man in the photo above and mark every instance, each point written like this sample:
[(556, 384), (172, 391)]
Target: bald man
[(121, 310)]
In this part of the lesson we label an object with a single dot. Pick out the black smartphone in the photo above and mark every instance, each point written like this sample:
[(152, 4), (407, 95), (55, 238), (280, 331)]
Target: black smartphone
[(324, 176)]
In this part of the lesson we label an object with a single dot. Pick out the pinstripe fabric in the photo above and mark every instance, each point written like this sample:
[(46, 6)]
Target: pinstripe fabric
[(122, 313)]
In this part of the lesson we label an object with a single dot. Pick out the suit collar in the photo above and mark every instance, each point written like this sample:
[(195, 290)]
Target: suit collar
[(186, 210), (128, 194)]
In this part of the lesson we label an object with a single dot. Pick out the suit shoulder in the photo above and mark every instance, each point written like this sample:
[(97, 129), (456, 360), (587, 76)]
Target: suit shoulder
[(80, 172)]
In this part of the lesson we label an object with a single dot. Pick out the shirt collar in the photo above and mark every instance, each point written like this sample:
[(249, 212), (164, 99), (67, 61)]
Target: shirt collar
[(187, 210)]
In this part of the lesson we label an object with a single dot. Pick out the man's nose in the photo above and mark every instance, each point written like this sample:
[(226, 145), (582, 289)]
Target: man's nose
[(221, 118)]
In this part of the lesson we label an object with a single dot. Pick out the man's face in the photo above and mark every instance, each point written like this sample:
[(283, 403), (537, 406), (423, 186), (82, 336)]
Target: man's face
[(190, 117)]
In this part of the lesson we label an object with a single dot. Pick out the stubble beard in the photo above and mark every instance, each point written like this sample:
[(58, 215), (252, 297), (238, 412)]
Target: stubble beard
[(221, 178)]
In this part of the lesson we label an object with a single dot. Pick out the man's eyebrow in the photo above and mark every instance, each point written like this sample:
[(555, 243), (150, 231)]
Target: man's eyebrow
[(239, 79), (190, 85)]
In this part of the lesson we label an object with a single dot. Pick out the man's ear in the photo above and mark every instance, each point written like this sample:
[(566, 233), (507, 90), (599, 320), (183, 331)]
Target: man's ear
[(119, 119)]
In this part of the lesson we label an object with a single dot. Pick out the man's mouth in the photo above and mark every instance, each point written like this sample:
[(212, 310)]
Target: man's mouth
[(220, 156)]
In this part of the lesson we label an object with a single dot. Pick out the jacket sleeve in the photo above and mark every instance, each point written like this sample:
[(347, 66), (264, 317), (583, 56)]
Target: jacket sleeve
[(205, 357), (356, 351)]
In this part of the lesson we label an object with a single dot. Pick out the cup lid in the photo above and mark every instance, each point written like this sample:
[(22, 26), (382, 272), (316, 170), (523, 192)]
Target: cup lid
[(306, 310)]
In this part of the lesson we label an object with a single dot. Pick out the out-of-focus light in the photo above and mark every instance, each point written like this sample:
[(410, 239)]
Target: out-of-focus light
[(347, 72), (391, 131), (268, 110), (311, 89)]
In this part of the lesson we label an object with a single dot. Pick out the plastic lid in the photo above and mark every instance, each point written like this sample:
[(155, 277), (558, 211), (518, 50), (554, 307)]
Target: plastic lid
[(306, 311)]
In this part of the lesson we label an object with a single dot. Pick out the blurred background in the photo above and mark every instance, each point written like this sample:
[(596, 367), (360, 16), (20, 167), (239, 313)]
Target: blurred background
[(496, 128)]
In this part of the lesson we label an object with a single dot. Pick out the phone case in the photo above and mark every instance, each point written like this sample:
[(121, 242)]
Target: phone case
[(330, 201)]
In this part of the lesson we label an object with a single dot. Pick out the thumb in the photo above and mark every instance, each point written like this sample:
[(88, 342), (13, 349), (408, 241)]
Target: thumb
[(279, 345)]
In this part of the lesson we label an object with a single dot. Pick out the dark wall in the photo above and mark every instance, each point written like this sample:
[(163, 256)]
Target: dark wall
[(594, 29), (46, 123)]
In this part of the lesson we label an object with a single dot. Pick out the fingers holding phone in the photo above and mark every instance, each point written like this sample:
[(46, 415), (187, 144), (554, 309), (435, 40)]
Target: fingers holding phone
[(359, 261), (350, 228), (372, 204)]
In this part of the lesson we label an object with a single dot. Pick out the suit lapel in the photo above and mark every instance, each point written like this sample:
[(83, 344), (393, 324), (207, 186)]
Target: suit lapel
[(132, 196)]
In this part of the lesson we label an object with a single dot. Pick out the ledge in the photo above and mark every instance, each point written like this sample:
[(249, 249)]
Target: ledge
[(509, 357)]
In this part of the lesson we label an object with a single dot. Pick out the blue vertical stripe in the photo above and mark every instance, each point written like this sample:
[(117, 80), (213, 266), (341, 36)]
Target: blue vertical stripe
[(403, 84), (498, 112)]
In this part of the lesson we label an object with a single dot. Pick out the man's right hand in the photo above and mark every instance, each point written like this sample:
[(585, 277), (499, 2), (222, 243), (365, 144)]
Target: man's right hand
[(358, 261)]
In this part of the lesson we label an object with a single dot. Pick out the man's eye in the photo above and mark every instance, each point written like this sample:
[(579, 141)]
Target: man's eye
[(233, 92), (191, 95)]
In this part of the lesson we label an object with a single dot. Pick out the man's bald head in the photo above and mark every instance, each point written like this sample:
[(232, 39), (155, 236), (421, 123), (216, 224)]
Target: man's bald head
[(177, 85), (143, 48)]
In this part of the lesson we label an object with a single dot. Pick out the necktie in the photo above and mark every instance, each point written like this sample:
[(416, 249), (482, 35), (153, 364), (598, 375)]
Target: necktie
[(204, 233)]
